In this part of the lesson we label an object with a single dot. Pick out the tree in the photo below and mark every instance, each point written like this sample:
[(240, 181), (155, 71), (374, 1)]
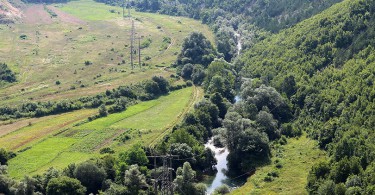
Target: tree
[(198, 74), (196, 49), (135, 155), (90, 175), (4, 156), (268, 124), (152, 88), (186, 71), (134, 180), (65, 186), (163, 84), (103, 111), (185, 179), (6, 74)]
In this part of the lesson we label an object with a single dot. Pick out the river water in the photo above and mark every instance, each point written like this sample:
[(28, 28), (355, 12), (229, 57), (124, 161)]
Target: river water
[(239, 43), (221, 157)]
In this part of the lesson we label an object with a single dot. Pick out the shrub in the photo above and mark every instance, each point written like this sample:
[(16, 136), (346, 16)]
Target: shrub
[(106, 150)]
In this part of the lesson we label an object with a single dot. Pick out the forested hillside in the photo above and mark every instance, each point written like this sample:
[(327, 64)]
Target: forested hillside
[(325, 66)]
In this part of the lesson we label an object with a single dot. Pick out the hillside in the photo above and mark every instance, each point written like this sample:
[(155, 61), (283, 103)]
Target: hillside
[(237, 23), (82, 54), (10, 12), (325, 66)]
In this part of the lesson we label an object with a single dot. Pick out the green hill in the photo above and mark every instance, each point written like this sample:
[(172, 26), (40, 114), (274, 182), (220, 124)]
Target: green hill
[(325, 66)]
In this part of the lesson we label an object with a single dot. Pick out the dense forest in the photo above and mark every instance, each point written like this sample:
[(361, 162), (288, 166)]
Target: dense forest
[(325, 67)]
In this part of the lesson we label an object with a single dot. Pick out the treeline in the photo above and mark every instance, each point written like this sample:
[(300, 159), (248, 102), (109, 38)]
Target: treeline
[(127, 173), (115, 100), (6, 74), (325, 67)]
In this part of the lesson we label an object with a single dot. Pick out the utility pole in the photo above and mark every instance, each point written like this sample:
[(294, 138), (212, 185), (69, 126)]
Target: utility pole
[(129, 9), (132, 45), (139, 52), (166, 177), (123, 9)]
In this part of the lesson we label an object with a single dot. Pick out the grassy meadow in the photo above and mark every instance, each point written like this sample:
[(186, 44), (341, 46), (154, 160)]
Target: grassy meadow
[(291, 163), (57, 50)]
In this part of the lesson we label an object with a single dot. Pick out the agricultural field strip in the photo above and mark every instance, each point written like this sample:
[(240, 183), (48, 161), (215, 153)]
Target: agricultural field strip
[(195, 97), (141, 117), (26, 136), (56, 159)]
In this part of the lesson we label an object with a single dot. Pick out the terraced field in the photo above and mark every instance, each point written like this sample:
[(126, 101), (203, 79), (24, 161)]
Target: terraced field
[(142, 123)]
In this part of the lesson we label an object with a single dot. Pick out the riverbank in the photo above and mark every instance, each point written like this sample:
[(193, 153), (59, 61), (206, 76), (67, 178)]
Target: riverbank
[(294, 161)]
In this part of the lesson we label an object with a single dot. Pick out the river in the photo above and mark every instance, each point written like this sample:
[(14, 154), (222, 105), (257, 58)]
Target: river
[(239, 43), (221, 155)]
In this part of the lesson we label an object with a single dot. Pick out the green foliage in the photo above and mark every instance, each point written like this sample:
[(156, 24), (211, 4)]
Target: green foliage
[(325, 66), (103, 111), (135, 155), (196, 49), (4, 156), (185, 180), (65, 186), (6, 74), (134, 180), (221, 190), (90, 175)]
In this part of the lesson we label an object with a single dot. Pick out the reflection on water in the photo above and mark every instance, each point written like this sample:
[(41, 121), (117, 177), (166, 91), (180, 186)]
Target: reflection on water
[(221, 157)]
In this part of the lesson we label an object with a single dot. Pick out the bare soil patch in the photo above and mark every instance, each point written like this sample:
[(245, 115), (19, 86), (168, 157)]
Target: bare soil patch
[(36, 14)]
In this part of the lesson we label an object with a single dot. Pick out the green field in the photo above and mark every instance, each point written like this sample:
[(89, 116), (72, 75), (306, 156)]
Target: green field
[(144, 123), (296, 158), (57, 50)]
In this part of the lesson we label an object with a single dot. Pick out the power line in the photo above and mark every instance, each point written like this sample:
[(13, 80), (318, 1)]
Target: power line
[(166, 178)]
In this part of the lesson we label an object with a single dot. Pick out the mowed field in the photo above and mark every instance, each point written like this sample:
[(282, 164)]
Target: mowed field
[(290, 162), (44, 49), (143, 123)]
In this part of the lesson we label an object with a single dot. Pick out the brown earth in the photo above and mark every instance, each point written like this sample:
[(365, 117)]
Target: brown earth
[(36, 14)]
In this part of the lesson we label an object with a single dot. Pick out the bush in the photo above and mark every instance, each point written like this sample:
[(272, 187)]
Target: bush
[(103, 111), (106, 151), (189, 84), (65, 185)]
